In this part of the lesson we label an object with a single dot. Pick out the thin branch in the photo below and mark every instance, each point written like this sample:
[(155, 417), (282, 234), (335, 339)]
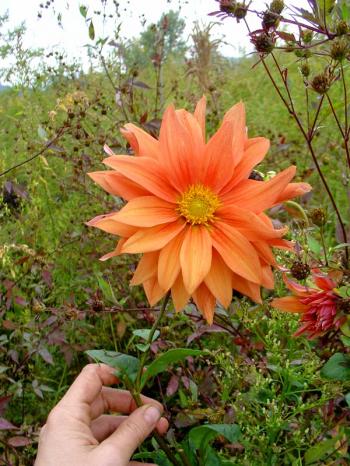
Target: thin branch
[(47, 146)]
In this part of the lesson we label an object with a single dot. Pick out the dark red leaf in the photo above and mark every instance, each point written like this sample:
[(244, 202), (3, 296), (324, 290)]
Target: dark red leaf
[(46, 355), (4, 401), (18, 441), (6, 425), (173, 385)]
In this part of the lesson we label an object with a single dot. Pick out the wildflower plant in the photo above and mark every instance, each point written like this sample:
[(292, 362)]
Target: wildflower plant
[(199, 220)]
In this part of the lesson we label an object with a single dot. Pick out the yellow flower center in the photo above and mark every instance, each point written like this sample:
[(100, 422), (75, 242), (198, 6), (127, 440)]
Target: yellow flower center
[(198, 204)]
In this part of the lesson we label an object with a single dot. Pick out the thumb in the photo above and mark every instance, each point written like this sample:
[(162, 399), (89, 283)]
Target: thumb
[(133, 431)]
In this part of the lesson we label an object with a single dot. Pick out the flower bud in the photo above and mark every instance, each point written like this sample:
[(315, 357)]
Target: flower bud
[(318, 217), (321, 83), (276, 6), (306, 36), (342, 28), (305, 69), (339, 50)]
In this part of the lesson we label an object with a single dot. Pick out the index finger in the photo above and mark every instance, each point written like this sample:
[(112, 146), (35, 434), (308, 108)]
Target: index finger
[(88, 385)]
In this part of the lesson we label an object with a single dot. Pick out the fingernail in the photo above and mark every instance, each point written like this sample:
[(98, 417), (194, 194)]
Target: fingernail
[(152, 415)]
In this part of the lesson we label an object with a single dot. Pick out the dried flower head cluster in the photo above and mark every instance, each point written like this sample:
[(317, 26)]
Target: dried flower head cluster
[(193, 211)]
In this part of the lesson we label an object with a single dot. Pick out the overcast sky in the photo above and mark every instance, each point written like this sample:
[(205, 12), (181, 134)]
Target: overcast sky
[(73, 35)]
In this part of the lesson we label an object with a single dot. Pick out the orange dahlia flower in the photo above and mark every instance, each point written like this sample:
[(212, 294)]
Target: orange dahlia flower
[(192, 210)]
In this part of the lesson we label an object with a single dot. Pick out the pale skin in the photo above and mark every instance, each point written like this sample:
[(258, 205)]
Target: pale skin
[(80, 432)]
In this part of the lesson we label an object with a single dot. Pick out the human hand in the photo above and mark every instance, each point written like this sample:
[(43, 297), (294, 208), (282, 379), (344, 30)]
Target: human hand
[(78, 433)]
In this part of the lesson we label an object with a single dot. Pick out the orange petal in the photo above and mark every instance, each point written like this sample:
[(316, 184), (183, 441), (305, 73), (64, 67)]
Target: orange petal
[(107, 223), (179, 294), (179, 159), (144, 171), (116, 184), (252, 290), (293, 190), (219, 158), (267, 277), (297, 289), (236, 115), (114, 253), (146, 268), (248, 223), (169, 262), (259, 195), (152, 239), (265, 252), (195, 256), (219, 281), (199, 114), (153, 291), (147, 211), (254, 153), (205, 302), (141, 142), (289, 304), (236, 251)]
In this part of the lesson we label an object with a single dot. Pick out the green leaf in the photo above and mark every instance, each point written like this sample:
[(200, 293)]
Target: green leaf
[(106, 289), (314, 245), (157, 456), (162, 362), (125, 365), (345, 340), (317, 452), (144, 333), (91, 30), (337, 367), (83, 10), (347, 398), (202, 435), (142, 347)]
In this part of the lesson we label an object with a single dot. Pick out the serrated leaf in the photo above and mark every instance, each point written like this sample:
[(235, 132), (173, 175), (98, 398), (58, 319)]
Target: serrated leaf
[(125, 365), (162, 362), (337, 367)]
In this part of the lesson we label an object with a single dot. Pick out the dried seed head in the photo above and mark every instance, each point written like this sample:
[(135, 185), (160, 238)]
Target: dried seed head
[(340, 49), (342, 28), (321, 83), (270, 19), (318, 217), (299, 270), (305, 69), (276, 6), (227, 6), (263, 42), (240, 11)]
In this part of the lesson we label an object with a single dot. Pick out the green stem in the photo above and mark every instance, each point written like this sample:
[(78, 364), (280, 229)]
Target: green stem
[(324, 246), (149, 341), (112, 331)]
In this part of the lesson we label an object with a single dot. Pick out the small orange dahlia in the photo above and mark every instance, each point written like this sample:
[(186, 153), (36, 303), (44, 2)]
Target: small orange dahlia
[(192, 210)]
